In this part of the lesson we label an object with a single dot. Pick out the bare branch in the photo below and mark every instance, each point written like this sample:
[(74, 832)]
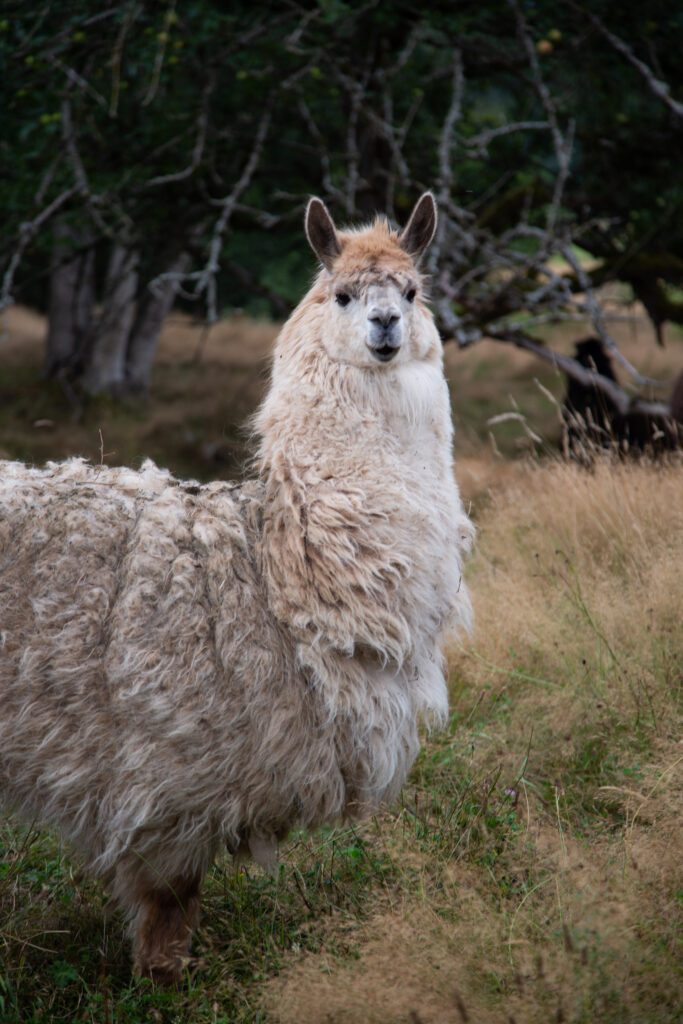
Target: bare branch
[(385, 126), (294, 38), (64, 35), (205, 279), (479, 144), (597, 319), (208, 279), (200, 142), (355, 89), (535, 68), (78, 80), (660, 89), (83, 185), (563, 145), (116, 60), (160, 54), (27, 231), (325, 165), (46, 180), (94, 201), (352, 150), (445, 180), (447, 132), (404, 55)]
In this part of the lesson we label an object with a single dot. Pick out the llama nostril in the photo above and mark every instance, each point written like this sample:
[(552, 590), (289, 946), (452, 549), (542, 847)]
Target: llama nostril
[(385, 320)]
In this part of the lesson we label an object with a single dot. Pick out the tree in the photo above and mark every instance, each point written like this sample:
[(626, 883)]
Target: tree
[(171, 149)]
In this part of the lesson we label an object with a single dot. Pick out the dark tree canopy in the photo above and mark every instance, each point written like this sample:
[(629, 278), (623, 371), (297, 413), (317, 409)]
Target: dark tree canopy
[(161, 152)]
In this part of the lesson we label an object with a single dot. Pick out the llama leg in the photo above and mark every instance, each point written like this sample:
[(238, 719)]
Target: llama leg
[(166, 917)]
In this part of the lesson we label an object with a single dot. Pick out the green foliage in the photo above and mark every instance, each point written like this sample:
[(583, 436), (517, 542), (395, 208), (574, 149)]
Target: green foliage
[(155, 90)]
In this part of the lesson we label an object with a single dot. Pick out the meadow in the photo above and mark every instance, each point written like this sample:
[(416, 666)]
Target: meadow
[(532, 871)]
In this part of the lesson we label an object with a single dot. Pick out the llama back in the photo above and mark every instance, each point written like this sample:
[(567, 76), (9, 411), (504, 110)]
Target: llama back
[(120, 596), (151, 703)]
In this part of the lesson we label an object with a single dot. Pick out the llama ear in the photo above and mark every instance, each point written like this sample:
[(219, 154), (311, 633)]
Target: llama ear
[(419, 231), (321, 232)]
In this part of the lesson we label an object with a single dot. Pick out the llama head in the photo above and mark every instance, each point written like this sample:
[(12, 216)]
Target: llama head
[(372, 286)]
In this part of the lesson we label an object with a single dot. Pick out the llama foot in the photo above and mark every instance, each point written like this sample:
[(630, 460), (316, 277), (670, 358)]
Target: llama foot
[(163, 931), (168, 974)]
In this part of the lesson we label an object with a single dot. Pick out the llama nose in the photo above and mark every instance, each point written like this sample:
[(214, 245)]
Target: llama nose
[(384, 336), (384, 319)]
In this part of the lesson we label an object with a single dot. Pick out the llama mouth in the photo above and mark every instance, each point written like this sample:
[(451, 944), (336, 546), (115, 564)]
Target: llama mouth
[(385, 353)]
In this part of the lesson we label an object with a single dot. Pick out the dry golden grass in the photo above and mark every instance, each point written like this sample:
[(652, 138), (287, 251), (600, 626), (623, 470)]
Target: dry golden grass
[(583, 562), (539, 848), (578, 590)]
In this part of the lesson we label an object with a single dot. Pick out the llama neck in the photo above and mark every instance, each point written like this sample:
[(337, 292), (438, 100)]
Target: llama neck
[(348, 420), (359, 546)]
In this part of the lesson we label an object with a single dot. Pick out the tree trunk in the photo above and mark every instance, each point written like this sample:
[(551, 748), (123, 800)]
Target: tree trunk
[(72, 294), (105, 362), (153, 309)]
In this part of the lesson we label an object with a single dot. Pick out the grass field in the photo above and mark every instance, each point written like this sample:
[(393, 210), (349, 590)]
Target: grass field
[(533, 871)]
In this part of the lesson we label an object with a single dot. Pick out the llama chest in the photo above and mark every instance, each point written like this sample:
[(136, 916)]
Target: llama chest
[(430, 511), (363, 523)]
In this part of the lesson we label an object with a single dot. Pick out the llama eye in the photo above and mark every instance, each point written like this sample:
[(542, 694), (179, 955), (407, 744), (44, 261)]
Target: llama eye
[(342, 298), (410, 295)]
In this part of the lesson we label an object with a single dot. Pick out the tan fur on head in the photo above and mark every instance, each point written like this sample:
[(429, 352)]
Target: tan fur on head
[(372, 274), (185, 666), (374, 249)]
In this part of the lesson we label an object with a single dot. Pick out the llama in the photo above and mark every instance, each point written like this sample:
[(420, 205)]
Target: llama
[(188, 667)]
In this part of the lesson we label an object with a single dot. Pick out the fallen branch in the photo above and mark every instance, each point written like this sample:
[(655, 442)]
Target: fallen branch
[(572, 368)]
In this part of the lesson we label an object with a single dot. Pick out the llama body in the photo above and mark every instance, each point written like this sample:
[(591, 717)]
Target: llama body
[(184, 667)]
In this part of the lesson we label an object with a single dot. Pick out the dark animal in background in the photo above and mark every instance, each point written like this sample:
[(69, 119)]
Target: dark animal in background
[(677, 400), (588, 413), (593, 419)]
